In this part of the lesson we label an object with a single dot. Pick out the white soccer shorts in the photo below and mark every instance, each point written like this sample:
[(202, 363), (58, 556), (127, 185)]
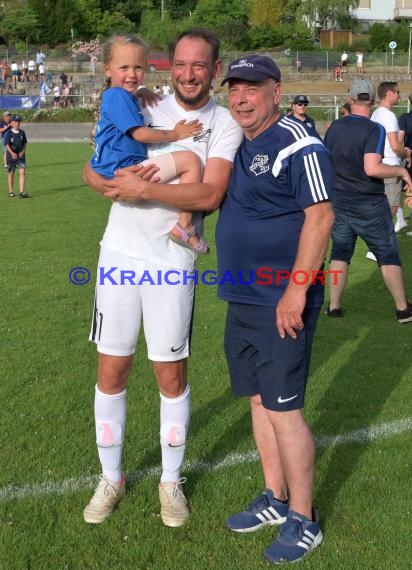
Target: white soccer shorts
[(135, 292)]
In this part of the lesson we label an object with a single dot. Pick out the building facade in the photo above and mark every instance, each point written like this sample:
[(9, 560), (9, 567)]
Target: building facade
[(382, 11)]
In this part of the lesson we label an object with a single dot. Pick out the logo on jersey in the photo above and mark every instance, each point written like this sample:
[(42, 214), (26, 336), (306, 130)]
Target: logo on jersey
[(260, 164), (203, 136)]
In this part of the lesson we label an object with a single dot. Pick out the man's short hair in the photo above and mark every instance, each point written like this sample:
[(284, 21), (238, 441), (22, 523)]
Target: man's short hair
[(198, 34), (385, 86)]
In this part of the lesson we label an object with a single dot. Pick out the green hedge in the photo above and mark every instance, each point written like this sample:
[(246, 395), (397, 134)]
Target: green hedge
[(50, 115)]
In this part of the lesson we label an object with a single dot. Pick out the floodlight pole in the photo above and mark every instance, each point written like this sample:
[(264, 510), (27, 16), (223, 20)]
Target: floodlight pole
[(409, 48)]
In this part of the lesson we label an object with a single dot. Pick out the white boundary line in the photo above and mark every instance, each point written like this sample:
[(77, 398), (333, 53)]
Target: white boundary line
[(13, 492)]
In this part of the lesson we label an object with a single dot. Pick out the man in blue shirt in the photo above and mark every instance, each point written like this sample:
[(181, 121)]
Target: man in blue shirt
[(362, 209), (271, 238)]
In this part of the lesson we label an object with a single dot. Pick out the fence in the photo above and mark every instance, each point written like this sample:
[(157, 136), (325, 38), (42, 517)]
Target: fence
[(290, 60)]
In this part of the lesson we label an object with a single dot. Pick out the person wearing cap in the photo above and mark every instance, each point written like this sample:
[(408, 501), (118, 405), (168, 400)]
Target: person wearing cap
[(357, 146), (5, 125), (299, 107), (15, 141), (395, 151), (275, 221)]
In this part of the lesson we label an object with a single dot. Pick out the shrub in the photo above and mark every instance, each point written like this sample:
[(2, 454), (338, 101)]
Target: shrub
[(50, 115)]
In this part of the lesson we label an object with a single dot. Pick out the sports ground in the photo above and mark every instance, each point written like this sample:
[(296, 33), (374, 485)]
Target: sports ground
[(358, 404)]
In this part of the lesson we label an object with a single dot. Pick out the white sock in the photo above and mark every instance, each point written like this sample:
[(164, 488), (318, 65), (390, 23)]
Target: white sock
[(110, 418), (400, 216), (174, 425)]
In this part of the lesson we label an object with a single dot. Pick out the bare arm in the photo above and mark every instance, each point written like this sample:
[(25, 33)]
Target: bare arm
[(183, 129), (204, 196), (97, 181), (94, 180), (373, 166), (313, 244), (397, 146)]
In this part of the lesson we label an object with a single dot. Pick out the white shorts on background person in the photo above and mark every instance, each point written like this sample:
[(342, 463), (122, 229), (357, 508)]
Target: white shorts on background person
[(122, 305)]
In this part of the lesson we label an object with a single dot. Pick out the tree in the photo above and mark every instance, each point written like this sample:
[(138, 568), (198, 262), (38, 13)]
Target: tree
[(230, 23), (18, 24), (111, 23), (381, 34), (326, 12), (266, 37), (263, 13), (55, 19), (158, 33)]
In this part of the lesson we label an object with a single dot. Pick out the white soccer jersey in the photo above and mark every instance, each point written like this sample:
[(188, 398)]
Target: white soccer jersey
[(141, 230)]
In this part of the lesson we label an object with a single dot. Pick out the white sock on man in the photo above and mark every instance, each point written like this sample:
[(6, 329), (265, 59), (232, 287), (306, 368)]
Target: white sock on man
[(110, 418), (174, 425)]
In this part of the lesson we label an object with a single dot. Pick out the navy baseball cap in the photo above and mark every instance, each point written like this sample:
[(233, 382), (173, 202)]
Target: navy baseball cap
[(300, 99), (253, 68), (16, 118)]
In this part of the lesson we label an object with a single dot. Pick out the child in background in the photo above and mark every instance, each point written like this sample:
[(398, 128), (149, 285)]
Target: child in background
[(337, 72), (15, 141), (121, 138)]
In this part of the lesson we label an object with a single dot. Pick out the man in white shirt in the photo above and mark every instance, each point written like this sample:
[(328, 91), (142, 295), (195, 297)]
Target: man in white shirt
[(42, 71), (165, 89), (32, 70), (359, 61), (395, 151), (15, 72), (137, 237), (344, 61)]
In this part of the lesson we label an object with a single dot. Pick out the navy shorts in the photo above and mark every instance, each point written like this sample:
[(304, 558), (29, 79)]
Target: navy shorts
[(373, 223), (20, 163), (260, 362)]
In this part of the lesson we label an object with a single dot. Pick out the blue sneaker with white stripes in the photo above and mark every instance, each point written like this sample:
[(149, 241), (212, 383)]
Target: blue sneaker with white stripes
[(264, 510), (297, 537)]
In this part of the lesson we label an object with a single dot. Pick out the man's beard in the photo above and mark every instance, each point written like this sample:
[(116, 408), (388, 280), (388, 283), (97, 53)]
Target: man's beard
[(192, 100)]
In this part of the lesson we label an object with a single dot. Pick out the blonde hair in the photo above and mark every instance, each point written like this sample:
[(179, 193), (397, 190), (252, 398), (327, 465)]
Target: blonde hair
[(117, 40), (108, 48)]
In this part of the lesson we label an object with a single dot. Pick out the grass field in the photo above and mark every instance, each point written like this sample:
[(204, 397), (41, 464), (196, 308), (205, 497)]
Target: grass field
[(358, 403)]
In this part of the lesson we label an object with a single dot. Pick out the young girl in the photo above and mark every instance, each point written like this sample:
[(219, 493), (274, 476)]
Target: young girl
[(121, 136)]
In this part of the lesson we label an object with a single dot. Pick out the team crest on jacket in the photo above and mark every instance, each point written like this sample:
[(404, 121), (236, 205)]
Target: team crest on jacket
[(260, 164)]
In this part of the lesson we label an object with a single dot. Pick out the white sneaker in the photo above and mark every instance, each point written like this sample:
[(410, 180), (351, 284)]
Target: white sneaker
[(399, 225), (105, 498), (173, 505), (370, 256)]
